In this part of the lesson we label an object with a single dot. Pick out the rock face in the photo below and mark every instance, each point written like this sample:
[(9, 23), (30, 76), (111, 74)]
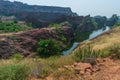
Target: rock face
[(26, 42), (17, 8), (39, 16), (6, 47), (86, 25), (79, 23)]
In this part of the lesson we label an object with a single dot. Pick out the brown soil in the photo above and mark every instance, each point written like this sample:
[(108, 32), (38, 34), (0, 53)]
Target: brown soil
[(105, 69)]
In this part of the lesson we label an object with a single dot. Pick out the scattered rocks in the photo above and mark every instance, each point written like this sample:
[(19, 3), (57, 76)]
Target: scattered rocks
[(82, 68), (110, 70), (96, 68)]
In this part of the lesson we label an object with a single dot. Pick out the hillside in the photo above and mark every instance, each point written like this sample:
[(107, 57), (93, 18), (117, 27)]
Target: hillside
[(97, 59), (106, 41), (43, 13), (13, 26), (21, 7), (26, 42), (90, 60), (104, 53), (42, 16), (54, 43)]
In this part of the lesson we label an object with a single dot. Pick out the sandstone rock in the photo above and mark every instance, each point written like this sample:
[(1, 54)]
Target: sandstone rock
[(88, 73), (82, 72), (68, 67), (83, 66), (75, 64), (88, 70), (96, 68), (98, 60)]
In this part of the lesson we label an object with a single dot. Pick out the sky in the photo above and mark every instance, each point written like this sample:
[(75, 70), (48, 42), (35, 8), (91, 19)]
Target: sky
[(82, 7)]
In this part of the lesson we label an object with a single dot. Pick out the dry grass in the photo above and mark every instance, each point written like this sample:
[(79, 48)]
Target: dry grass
[(104, 43), (41, 67)]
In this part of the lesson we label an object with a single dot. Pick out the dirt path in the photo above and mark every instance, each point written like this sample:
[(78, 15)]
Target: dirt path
[(9, 34), (108, 70)]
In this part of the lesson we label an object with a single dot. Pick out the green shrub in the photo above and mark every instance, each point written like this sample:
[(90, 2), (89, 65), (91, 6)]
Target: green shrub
[(94, 23), (15, 21), (54, 25), (13, 27), (13, 72), (44, 72), (81, 36), (85, 55), (0, 21), (63, 38), (49, 47), (117, 24), (17, 57)]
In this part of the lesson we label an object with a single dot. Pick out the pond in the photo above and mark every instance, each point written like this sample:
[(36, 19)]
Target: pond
[(91, 36)]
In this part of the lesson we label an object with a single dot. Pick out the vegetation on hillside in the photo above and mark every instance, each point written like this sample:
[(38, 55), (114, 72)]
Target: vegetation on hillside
[(54, 25), (43, 47), (49, 47), (13, 72), (117, 24), (50, 51), (82, 36), (113, 20), (13, 26), (103, 46)]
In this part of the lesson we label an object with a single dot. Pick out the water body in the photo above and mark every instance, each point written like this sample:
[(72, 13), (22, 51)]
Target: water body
[(98, 32), (91, 36), (75, 44)]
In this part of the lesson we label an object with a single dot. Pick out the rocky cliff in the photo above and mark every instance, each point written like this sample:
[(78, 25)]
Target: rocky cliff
[(9, 8), (19, 6), (26, 42)]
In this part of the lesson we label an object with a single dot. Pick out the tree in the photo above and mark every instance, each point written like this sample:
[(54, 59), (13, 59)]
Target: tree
[(113, 20), (15, 21), (49, 47)]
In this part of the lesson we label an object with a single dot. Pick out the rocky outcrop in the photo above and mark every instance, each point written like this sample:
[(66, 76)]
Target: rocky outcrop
[(26, 42), (6, 49), (79, 23), (86, 25), (105, 69), (18, 8)]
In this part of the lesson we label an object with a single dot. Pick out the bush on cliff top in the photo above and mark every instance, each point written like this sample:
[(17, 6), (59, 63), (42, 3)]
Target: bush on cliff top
[(49, 47)]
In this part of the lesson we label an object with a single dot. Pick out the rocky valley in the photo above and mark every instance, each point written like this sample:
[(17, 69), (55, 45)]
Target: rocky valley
[(33, 40), (26, 42)]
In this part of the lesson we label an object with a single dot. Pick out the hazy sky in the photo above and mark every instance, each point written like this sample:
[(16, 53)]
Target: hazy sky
[(82, 7)]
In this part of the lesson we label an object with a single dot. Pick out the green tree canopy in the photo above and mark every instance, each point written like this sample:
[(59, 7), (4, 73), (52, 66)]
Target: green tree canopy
[(49, 47)]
